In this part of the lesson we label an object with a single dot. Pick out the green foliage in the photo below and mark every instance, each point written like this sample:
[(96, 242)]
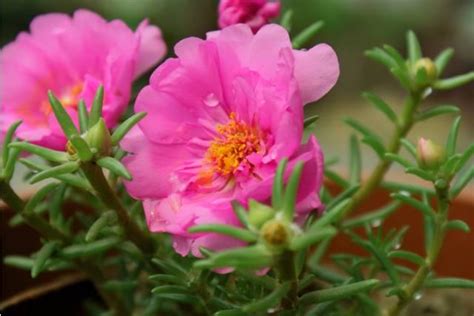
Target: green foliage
[(65, 168), (48, 154), (381, 106), (5, 153), (338, 293), (106, 235), (43, 254), (450, 283), (96, 109), (231, 231), (310, 121), (437, 110), (307, 34), (126, 126), (115, 167)]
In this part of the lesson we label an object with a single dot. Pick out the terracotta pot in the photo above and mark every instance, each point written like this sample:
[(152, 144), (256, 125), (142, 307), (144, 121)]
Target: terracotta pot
[(457, 255)]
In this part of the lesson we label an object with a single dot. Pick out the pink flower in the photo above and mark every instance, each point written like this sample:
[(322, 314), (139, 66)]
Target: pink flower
[(72, 56), (254, 13), (220, 117)]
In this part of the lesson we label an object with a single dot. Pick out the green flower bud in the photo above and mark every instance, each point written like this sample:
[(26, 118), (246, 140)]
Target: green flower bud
[(276, 233), (259, 213), (98, 137), (429, 154), (429, 66)]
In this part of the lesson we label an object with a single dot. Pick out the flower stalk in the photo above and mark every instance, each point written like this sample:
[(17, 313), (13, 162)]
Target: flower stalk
[(10, 197), (98, 181), (286, 270), (374, 180), (416, 283)]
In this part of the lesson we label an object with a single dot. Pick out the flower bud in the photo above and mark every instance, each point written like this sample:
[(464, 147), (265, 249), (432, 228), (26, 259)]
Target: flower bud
[(98, 137), (429, 66), (259, 213), (71, 150), (276, 233), (429, 154)]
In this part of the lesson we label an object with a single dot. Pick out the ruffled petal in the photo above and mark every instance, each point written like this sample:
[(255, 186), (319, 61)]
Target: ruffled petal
[(316, 71), (151, 48)]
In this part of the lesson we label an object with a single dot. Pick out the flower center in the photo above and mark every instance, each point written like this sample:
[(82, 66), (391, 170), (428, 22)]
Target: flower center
[(234, 142), (69, 99)]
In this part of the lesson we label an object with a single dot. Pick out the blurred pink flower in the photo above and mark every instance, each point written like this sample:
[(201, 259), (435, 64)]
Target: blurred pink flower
[(72, 56), (254, 13), (220, 117)]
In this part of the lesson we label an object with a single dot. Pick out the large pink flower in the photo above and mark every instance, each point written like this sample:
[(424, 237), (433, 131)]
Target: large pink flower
[(220, 117), (71, 56), (254, 13)]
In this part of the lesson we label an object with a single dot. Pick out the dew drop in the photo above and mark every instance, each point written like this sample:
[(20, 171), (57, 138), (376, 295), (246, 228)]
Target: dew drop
[(211, 100), (427, 92), (405, 193), (418, 296), (397, 246), (376, 223)]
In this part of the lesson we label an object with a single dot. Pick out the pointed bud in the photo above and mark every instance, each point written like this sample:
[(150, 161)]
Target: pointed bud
[(429, 66), (276, 234), (259, 213), (98, 138), (429, 154)]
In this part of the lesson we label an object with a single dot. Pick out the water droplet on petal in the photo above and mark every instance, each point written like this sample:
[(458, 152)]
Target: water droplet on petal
[(211, 100)]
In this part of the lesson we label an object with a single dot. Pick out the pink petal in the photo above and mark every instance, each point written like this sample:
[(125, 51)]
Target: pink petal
[(263, 53), (312, 176), (171, 215), (316, 71), (151, 165), (49, 24), (63, 52), (152, 47), (177, 123), (214, 242)]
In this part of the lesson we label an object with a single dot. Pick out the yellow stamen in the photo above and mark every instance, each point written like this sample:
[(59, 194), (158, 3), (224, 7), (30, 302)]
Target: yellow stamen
[(235, 141), (68, 100)]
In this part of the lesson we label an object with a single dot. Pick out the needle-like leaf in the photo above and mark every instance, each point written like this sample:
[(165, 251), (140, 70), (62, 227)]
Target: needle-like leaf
[(278, 185), (96, 110), (62, 116)]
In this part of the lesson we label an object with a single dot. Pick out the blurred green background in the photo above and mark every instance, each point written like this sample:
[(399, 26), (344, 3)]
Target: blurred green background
[(352, 26)]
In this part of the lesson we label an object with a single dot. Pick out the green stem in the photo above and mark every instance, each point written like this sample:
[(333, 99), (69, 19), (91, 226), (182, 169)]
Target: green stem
[(10, 197), (33, 220), (375, 179), (203, 292), (98, 181), (416, 283), (286, 270)]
